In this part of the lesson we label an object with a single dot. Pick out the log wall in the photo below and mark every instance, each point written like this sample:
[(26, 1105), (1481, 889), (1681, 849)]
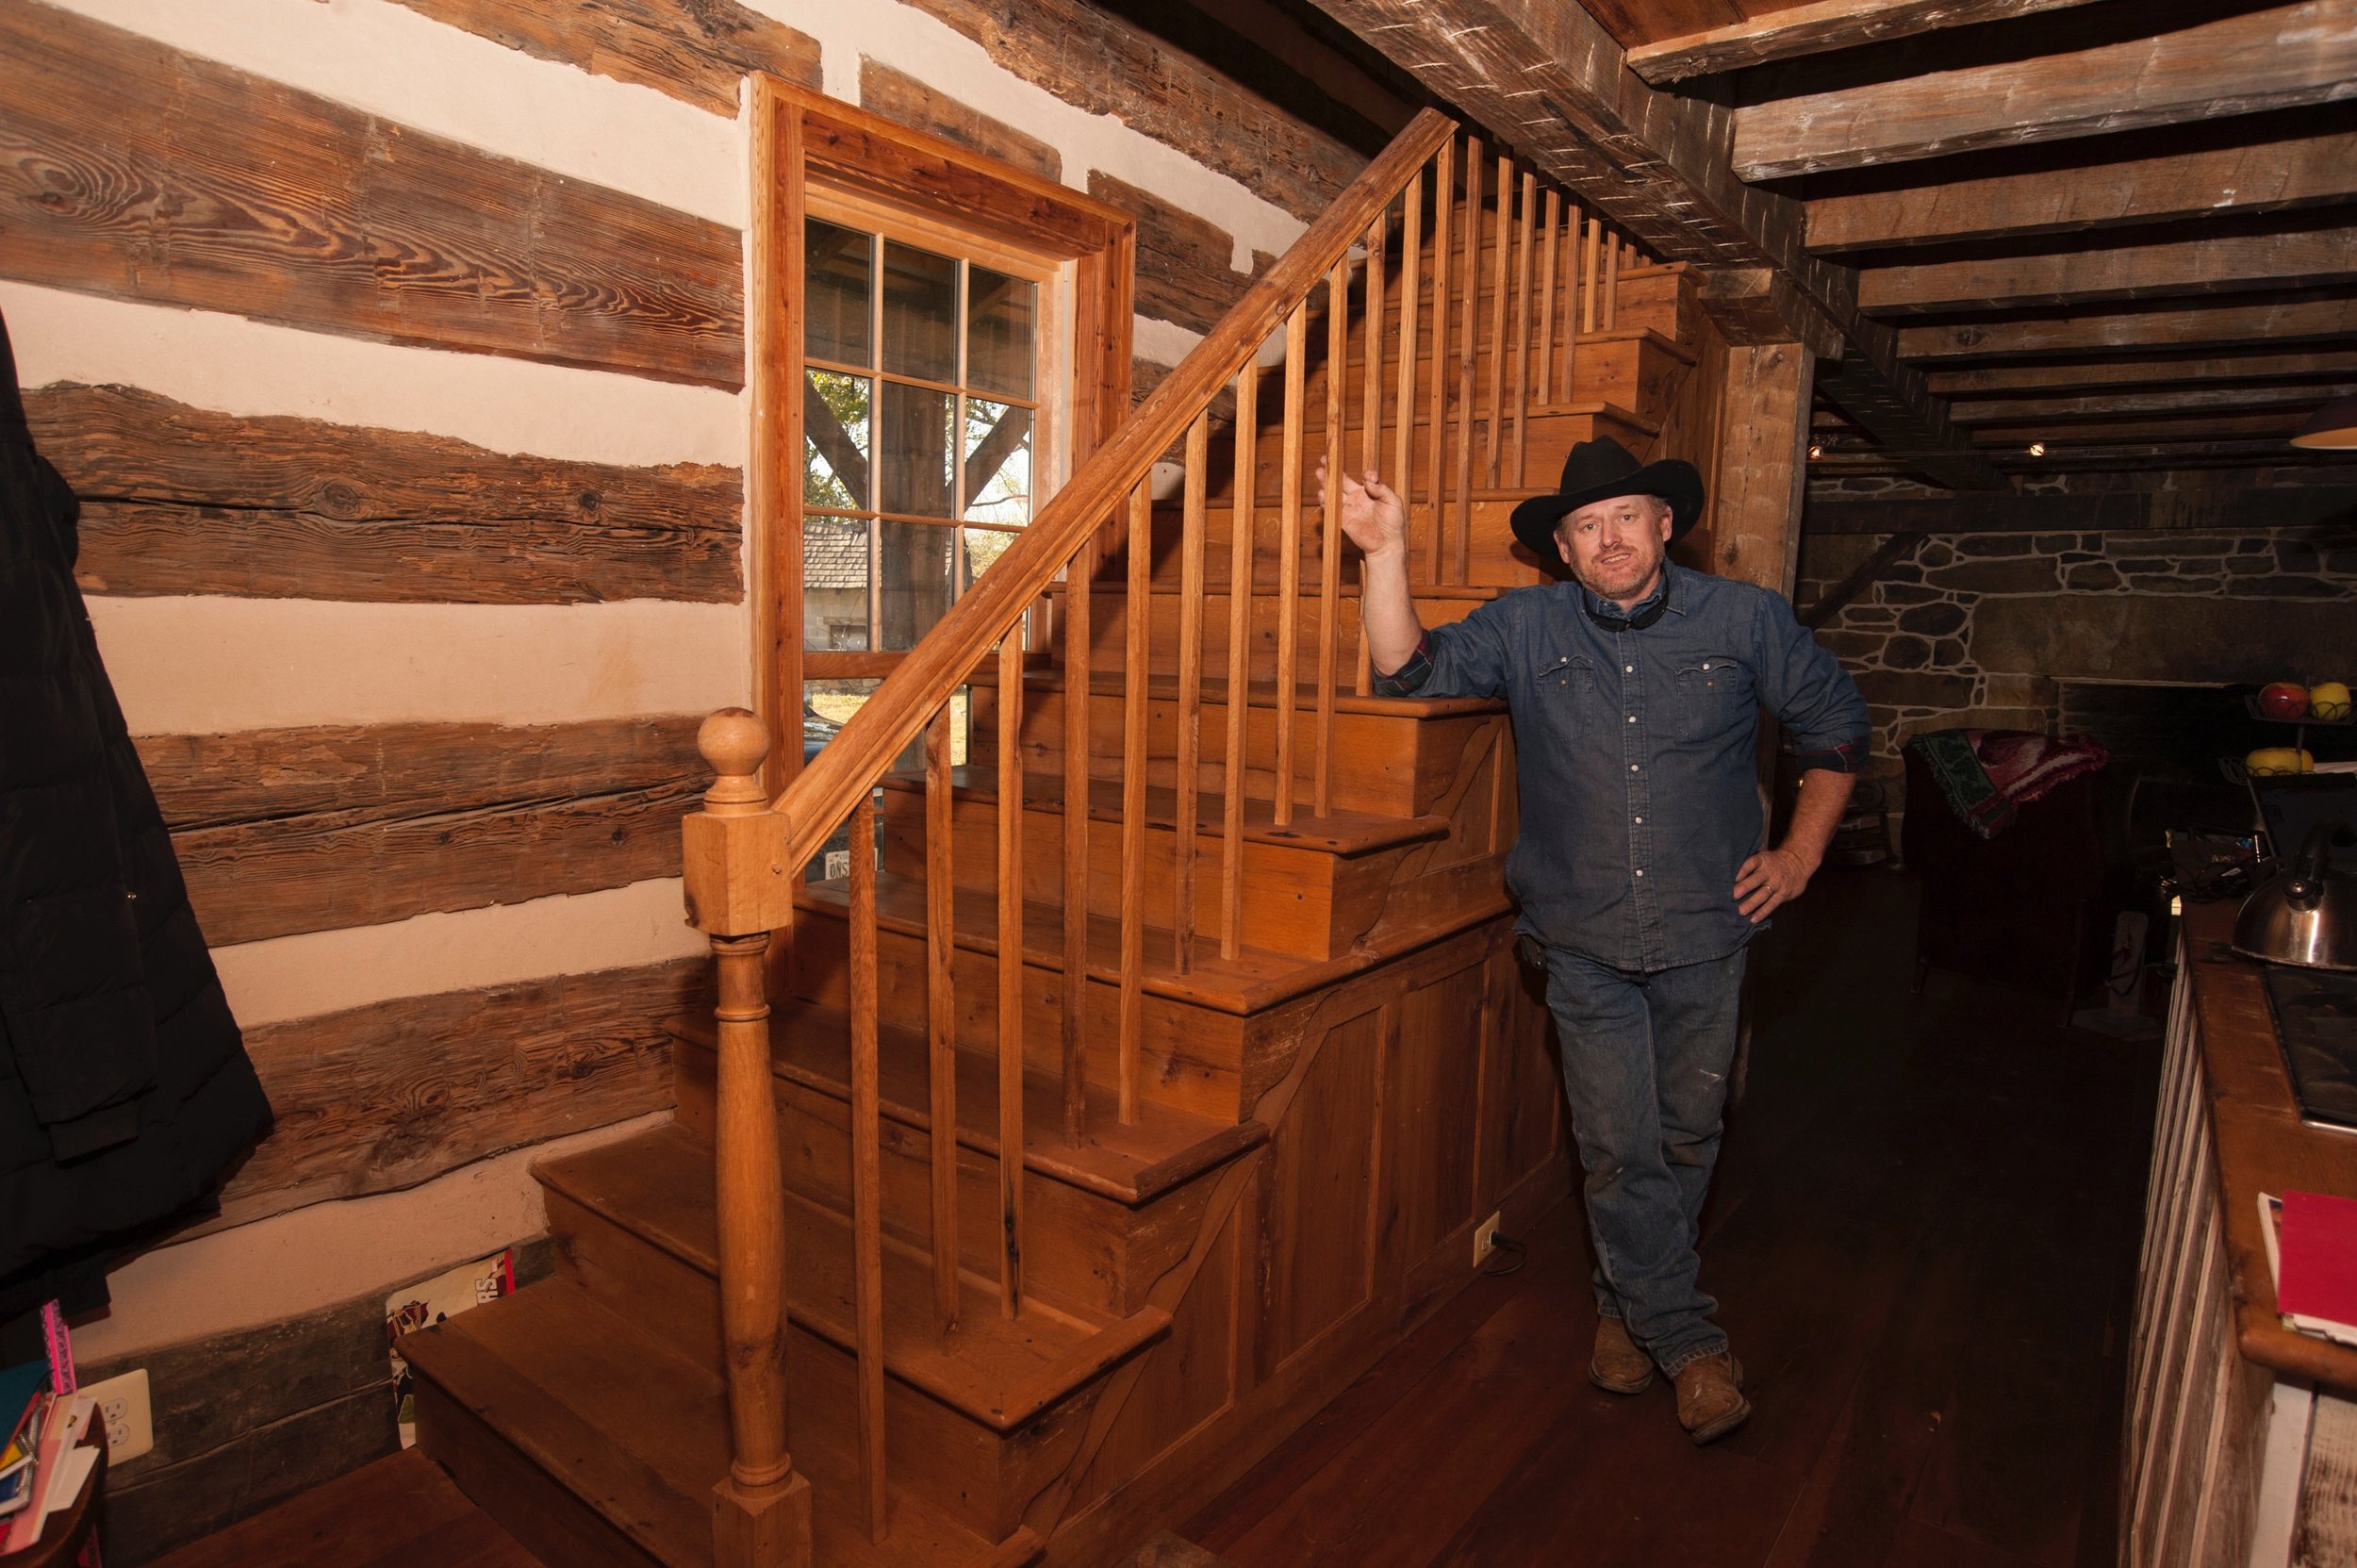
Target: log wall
[(396, 351)]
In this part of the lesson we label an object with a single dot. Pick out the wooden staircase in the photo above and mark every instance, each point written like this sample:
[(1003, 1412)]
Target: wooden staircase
[(1151, 1079)]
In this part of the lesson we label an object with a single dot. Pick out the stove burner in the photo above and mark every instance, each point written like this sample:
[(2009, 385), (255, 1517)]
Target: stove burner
[(2316, 1018)]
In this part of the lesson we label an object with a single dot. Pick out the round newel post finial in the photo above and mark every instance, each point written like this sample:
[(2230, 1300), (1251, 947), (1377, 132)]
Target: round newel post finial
[(735, 742)]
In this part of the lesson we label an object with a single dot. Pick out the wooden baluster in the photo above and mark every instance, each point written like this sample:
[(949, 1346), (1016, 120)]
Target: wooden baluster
[(1550, 219), (1242, 515), (1371, 406), (1491, 427), (1189, 699), (1330, 537), (1288, 558), (940, 954), (1595, 270), (1466, 356), (1570, 300), (1134, 716), (867, 1169), (1410, 282), (1443, 211), (1612, 284), (1079, 637), (1521, 325), (1011, 1141), (762, 1510)]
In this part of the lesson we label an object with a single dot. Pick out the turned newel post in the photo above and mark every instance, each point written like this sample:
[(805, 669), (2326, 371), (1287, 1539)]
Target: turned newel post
[(762, 1512)]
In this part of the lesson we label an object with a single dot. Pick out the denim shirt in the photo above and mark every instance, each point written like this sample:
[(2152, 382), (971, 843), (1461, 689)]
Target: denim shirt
[(1636, 752)]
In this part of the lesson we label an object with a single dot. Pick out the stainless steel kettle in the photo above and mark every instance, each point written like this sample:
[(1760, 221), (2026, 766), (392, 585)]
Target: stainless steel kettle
[(2308, 913)]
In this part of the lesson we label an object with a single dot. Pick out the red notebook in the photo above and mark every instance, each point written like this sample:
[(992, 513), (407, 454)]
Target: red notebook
[(2319, 1249)]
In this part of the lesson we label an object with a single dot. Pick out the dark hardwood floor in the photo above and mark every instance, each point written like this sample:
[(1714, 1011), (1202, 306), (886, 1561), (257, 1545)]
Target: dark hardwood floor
[(1923, 1238)]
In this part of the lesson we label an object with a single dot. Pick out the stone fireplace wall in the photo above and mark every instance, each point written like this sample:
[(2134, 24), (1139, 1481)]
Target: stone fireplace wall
[(1978, 629)]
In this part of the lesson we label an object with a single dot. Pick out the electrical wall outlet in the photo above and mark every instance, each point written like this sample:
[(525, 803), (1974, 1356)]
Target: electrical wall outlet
[(1486, 1237), (130, 1421)]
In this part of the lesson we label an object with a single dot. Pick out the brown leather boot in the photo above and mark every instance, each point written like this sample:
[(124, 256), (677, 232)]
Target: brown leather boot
[(1710, 1397), (1617, 1366)]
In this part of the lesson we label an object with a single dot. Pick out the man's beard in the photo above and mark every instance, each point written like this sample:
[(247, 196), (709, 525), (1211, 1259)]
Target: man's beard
[(1621, 582)]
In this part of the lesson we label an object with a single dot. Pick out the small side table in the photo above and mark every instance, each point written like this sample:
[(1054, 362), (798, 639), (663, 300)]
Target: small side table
[(61, 1542)]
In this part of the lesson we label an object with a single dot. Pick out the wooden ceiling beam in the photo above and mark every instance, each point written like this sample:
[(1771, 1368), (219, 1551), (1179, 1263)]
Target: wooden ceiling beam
[(1546, 76), (2208, 326), (2297, 258), (2125, 405), (2263, 176), (2192, 426), (1813, 29), (2276, 58), (2214, 369)]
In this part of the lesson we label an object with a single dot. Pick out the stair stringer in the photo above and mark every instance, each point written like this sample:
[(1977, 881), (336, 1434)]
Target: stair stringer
[(1087, 1519)]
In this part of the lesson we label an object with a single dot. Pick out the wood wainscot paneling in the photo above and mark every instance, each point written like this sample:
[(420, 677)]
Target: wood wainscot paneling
[(387, 1095), (134, 170), (696, 50), (326, 827), (183, 501)]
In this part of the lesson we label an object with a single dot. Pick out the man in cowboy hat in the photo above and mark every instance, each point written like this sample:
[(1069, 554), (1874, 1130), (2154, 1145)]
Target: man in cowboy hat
[(1641, 869)]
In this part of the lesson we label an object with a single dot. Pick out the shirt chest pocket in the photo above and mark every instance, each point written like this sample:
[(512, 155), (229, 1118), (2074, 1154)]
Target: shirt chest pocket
[(1567, 692), (1715, 693)]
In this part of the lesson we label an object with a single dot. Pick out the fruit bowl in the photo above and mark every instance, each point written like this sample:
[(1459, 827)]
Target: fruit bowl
[(2333, 713)]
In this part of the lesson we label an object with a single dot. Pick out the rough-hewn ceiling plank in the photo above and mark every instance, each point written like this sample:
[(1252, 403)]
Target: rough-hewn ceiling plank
[(2264, 176), (2226, 369), (1813, 29), (1548, 78), (2300, 258), (2209, 326), (2122, 405), (2291, 55)]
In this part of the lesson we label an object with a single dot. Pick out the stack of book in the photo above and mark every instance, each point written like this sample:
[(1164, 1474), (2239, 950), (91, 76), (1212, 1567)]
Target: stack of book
[(45, 1462), (2312, 1251)]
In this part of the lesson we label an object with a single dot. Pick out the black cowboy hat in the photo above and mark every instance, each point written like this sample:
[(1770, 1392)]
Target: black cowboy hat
[(1598, 470)]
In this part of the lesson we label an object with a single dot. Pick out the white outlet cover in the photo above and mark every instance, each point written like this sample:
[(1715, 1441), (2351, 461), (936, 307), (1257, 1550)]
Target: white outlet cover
[(123, 1405)]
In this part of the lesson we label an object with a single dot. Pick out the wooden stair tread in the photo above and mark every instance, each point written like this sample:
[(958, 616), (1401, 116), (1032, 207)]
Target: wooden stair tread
[(1314, 417), (1251, 982), (1164, 1149), (1338, 833), (658, 1185), (1116, 583), (640, 1433), (1258, 694)]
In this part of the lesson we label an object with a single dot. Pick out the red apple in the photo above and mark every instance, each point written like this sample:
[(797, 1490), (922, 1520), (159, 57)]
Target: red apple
[(2283, 699)]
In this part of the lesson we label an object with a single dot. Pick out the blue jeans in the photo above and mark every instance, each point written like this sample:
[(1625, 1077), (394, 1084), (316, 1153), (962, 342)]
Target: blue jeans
[(1645, 1063)]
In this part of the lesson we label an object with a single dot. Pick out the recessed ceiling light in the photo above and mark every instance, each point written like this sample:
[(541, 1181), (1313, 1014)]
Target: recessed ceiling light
[(2037, 449), (1816, 449)]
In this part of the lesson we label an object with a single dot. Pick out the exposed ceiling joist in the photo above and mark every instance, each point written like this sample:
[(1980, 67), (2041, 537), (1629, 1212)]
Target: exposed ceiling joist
[(2229, 368), (2194, 425), (2120, 405), (2205, 327), (2300, 258), (2225, 508), (1547, 77), (2263, 176), (1811, 29), (2275, 59)]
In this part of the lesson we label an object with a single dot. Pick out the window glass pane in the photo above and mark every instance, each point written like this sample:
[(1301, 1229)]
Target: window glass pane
[(915, 452), (920, 313), (834, 582), (998, 462), (999, 346), (834, 440), (983, 546), (913, 589), (837, 264)]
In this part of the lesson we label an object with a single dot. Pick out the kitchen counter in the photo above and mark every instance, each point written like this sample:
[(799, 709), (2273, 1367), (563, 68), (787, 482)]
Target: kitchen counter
[(2260, 1143)]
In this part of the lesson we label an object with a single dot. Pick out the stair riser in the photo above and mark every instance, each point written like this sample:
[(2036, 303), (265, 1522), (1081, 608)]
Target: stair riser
[(1304, 903), (549, 1520), (1189, 1056), (1636, 373), (1547, 439), (1647, 298), (983, 1478), (1111, 618), (1388, 764), (1081, 1251)]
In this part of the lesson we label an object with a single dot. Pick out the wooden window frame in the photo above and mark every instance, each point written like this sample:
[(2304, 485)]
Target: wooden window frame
[(802, 139)]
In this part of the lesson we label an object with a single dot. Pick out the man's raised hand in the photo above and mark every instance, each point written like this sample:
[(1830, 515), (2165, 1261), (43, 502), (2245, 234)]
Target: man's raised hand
[(1371, 512)]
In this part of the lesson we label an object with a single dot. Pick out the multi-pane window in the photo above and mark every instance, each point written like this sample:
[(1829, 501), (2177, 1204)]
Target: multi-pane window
[(922, 432)]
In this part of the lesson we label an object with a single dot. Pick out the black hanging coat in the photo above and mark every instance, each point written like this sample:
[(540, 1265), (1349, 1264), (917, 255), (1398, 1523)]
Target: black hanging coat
[(124, 1088)]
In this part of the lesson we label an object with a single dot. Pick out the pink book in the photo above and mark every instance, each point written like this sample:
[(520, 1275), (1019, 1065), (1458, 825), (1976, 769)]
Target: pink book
[(2318, 1283)]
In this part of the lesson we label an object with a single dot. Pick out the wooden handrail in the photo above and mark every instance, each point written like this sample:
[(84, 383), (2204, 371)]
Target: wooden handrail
[(904, 704)]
